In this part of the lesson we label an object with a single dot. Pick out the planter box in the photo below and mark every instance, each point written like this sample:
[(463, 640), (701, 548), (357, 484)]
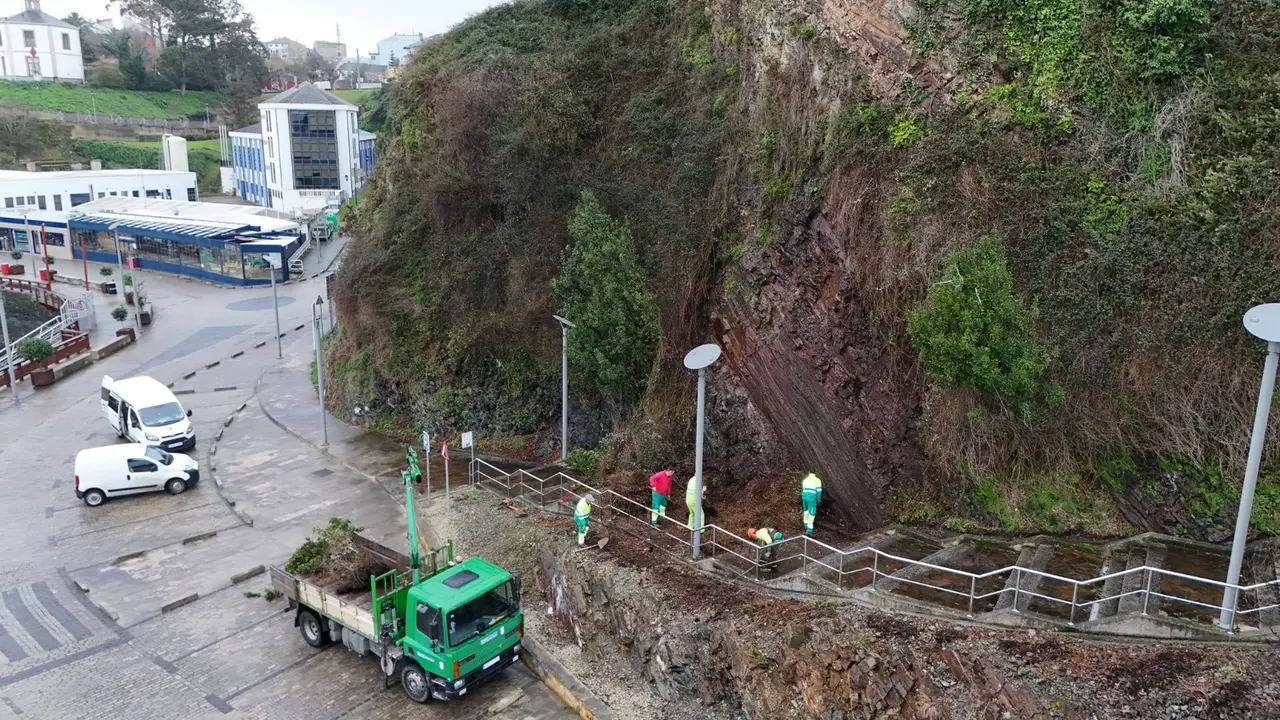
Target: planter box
[(128, 297), (43, 377), (144, 317), (126, 332), (17, 269)]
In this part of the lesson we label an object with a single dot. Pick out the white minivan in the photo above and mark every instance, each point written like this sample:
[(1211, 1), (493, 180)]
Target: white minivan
[(143, 410), (115, 470)]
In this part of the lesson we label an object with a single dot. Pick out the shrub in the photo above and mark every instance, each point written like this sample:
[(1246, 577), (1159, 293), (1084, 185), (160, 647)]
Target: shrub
[(15, 254), (105, 271), (107, 76), (973, 331), (318, 551), (904, 132), (120, 314), (584, 462), (601, 288), (35, 350)]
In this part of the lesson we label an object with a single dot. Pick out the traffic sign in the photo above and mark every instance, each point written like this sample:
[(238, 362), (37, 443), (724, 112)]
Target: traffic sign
[(444, 452), (467, 439), (426, 442)]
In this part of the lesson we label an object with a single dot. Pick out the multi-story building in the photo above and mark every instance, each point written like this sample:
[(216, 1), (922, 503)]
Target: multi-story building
[(307, 150), (332, 52), (396, 46), (288, 50), (37, 46)]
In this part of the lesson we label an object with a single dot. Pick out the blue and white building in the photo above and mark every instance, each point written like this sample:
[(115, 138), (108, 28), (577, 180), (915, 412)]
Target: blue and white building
[(306, 152)]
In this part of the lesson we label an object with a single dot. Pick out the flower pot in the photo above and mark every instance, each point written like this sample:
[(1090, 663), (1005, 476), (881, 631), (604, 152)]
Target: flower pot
[(126, 332), (17, 269), (144, 317), (43, 377), (128, 297)]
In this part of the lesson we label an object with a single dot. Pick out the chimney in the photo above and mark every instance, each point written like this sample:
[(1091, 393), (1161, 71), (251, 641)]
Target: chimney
[(95, 164)]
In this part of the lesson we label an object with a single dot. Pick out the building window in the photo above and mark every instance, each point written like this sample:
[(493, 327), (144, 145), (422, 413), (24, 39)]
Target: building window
[(135, 193), (22, 202), (33, 66), (40, 203), (102, 194), (28, 38), (55, 239), (80, 199), (191, 194), (8, 202), (66, 41), (113, 193), (57, 202)]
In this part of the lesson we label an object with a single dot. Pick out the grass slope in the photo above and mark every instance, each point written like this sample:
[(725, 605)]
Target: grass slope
[(60, 97)]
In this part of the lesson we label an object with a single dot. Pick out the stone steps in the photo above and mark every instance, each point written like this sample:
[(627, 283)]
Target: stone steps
[(1032, 557)]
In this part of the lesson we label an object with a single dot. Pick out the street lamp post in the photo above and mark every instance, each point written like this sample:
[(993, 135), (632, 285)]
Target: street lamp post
[(1263, 322), (31, 243), (319, 342), (275, 299), (564, 386), (699, 359)]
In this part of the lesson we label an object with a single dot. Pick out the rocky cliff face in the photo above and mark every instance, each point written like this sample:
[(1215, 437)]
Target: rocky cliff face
[(693, 637)]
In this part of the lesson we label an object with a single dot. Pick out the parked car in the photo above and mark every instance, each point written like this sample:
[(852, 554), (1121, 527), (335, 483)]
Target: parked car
[(133, 469), (144, 410)]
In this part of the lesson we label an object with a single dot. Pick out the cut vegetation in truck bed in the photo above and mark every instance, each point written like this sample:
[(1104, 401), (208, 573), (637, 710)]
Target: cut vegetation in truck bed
[(335, 559)]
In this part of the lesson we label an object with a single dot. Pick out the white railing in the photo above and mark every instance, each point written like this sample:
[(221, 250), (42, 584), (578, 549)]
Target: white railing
[(295, 260), (73, 310), (743, 557)]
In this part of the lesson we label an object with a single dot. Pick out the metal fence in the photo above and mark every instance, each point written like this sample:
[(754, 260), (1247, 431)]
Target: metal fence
[(76, 311), (870, 569)]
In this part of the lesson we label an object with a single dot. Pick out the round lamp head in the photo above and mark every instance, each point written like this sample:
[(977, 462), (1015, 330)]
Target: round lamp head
[(563, 321), (702, 356), (1263, 322)]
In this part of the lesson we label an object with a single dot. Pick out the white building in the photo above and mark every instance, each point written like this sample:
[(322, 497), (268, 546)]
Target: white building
[(37, 46), (31, 200), (396, 46), (311, 148), (286, 49)]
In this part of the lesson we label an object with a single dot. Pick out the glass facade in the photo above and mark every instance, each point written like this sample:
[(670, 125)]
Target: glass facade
[(314, 144), (224, 262)]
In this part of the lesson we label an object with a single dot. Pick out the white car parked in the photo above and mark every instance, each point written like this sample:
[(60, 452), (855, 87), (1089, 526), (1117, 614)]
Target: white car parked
[(116, 470)]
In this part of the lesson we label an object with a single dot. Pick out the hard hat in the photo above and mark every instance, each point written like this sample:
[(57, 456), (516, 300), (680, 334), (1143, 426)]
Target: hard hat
[(589, 498), (751, 532)]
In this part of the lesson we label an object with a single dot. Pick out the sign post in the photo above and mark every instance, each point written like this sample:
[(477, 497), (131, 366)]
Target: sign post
[(444, 452), (468, 441), (426, 447)]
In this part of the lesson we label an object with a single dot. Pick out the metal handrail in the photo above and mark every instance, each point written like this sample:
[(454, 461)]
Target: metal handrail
[(820, 551)]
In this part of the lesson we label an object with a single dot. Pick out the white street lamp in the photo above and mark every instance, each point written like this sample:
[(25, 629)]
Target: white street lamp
[(699, 359), (564, 386), (316, 311), (8, 349), (1263, 322)]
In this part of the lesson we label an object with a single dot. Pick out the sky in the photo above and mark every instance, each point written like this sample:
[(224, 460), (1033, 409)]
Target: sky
[(363, 22)]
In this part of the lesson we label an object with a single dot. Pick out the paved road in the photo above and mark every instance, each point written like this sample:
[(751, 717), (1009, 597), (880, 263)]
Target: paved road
[(83, 592)]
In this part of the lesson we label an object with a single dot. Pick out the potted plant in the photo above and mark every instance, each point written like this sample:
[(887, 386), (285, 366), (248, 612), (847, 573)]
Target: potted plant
[(108, 286), (37, 351), (50, 261), (120, 314), (128, 285), (19, 268), (144, 310)]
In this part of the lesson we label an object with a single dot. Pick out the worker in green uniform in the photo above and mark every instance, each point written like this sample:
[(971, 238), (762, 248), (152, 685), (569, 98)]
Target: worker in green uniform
[(810, 496), (693, 501), (582, 517), (765, 537)]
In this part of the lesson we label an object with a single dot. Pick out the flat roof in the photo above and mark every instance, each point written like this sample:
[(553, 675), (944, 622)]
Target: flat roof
[(306, 94), (78, 174), (197, 223)]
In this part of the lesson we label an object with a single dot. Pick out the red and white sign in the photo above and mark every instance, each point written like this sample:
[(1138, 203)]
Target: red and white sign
[(33, 52), (444, 451)]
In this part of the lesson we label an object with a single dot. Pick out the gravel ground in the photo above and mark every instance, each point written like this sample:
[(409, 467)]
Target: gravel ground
[(480, 525)]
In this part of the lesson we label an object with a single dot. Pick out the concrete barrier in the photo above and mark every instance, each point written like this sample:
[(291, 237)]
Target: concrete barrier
[(112, 347)]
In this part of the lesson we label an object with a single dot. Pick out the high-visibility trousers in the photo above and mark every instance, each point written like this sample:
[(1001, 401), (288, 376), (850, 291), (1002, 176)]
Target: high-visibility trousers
[(693, 514), (582, 521), (658, 506), (809, 499)]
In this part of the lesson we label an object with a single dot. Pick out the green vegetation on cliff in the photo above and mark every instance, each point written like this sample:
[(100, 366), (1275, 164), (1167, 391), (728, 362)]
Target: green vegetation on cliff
[(835, 217)]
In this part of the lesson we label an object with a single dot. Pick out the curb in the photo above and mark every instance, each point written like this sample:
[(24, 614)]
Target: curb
[(248, 574), (241, 515), (84, 589), (562, 683), (170, 607)]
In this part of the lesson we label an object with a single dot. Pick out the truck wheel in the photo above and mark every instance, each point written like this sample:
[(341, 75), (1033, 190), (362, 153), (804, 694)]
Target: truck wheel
[(176, 486), (416, 684), (312, 632), (94, 498)]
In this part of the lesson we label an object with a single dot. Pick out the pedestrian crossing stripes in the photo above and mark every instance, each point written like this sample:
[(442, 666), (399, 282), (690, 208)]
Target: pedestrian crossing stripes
[(35, 622)]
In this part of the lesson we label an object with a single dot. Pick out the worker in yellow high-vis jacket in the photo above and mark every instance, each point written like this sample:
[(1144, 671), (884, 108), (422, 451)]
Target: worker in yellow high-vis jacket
[(693, 501), (582, 517), (810, 496)]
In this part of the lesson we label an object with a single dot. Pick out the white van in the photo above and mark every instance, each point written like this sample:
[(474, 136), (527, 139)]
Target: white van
[(132, 469), (143, 410)]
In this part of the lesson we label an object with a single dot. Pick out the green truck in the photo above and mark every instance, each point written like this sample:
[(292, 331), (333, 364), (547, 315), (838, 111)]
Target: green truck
[(441, 629)]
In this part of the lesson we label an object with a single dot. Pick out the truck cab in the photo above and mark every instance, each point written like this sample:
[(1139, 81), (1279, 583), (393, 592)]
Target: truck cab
[(464, 626)]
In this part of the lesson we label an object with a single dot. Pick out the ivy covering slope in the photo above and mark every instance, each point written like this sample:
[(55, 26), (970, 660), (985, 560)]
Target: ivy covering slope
[(1098, 176)]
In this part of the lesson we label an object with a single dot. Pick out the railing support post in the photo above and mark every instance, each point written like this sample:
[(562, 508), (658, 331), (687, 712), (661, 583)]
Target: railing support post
[(1017, 586), (840, 577), (1146, 594), (875, 570), (973, 583), (1075, 591)]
